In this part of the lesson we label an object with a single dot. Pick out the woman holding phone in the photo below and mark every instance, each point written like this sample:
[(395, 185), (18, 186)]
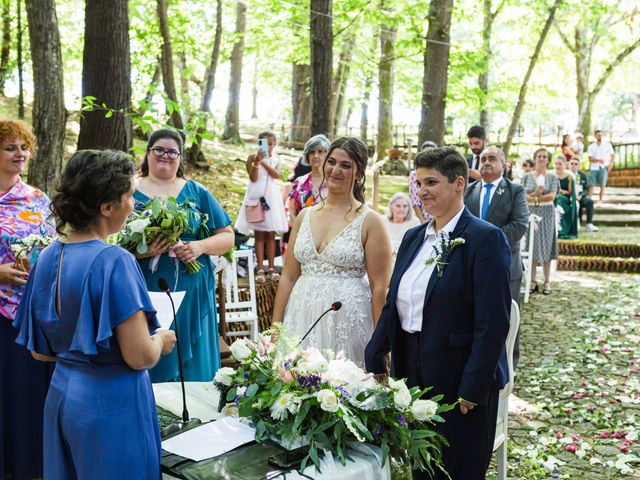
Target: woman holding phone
[(262, 211)]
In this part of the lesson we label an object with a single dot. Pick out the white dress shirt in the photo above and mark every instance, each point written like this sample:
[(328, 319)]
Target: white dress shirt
[(414, 281), (483, 191), (601, 151)]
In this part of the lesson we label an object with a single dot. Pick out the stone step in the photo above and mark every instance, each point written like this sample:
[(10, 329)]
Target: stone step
[(599, 264), (622, 191), (628, 220), (618, 199), (587, 248), (626, 181), (617, 208)]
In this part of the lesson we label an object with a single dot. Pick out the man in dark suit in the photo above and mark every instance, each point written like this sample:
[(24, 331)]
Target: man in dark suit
[(447, 316), (477, 139), (502, 203)]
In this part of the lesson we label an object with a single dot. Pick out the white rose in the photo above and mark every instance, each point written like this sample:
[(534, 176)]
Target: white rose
[(423, 409), (230, 410), (402, 397), (396, 384), (328, 400), (225, 376), (240, 350), (138, 226)]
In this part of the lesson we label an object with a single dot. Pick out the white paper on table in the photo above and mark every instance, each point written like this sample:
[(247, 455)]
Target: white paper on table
[(211, 439), (162, 304)]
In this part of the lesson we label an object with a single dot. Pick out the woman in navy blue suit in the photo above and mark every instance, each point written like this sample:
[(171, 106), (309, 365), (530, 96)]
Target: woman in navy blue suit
[(86, 307), (447, 313)]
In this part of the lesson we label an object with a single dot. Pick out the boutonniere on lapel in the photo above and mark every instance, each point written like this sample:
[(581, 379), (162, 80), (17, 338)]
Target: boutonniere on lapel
[(500, 191), (443, 254)]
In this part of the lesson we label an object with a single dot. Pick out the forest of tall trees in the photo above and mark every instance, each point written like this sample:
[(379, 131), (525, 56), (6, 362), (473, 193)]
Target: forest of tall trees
[(124, 67)]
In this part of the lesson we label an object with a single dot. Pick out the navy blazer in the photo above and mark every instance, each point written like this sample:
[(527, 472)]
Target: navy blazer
[(466, 314)]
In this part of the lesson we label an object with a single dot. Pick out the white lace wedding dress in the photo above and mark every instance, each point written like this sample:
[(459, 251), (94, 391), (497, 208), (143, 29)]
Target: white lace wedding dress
[(335, 274)]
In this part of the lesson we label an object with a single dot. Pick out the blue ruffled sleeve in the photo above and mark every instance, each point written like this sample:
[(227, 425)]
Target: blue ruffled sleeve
[(30, 335), (114, 290)]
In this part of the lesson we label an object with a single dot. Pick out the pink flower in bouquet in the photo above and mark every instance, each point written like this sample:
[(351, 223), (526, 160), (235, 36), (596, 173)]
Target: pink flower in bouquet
[(285, 375), (572, 447), (560, 435)]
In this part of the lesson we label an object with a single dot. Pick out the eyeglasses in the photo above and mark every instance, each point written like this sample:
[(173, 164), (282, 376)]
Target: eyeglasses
[(159, 152)]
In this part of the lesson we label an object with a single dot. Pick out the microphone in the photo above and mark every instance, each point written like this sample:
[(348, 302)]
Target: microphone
[(335, 306), (164, 286)]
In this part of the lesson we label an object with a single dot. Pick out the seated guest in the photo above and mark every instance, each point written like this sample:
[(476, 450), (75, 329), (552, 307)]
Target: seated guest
[(86, 307), (399, 219), (527, 166), (582, 192), (416, 203), (566, 200), (23, 380)]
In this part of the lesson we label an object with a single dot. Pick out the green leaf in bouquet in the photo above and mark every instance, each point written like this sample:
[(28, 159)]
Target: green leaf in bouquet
[(261, 428), (231, 395), (252, 390), (261, 378), (141, 248), (313, 453), (385, 451), (436, 399), (419, 434), (377, 401), (166, 223), (446, 407), (156, 206), (356, 427), (276, 389), (301, 415), (437, 418), (247, 409)]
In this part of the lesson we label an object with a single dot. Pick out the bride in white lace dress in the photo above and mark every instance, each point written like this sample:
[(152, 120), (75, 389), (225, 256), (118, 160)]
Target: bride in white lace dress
[(333, 248)]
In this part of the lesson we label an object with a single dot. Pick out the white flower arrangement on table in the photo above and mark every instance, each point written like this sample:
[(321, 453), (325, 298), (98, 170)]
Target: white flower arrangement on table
[(327, 401), (26, 250), (443, 254)]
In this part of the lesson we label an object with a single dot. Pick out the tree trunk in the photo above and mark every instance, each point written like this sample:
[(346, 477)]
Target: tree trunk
[(583, 70), (166, 62), (20, 65), (321, 39), (254, 90), (184, 81), (49, 115), (340, 79), (106, 75), (6, 43), (195, 154), (385, 87), (207, 95), (483, 77), (436, 64), (515, 120), (232, 118), (300, 103), (364, 107)]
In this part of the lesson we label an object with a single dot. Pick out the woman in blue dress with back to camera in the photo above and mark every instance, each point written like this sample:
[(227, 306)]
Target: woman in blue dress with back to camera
[(163, 175), (86, 307)]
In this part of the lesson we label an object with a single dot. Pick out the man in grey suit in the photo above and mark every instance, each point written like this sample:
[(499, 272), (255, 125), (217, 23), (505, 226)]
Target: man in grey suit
[(503, 204)]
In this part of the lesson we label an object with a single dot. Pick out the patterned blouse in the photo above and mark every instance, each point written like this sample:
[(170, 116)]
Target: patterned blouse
[(415, 197), (23, 211), (302, 193)]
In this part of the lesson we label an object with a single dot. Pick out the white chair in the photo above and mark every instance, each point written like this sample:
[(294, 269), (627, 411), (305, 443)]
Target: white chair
[(237, 310), (527, 255), (502, 424)]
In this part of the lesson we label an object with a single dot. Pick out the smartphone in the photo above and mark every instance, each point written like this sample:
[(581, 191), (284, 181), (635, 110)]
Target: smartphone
[(263, 145), (291, 459)]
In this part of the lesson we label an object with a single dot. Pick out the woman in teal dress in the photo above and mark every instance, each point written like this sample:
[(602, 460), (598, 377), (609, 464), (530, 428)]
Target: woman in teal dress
[(163, 176), (566, 200)]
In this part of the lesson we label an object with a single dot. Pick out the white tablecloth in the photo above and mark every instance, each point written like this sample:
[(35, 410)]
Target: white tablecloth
[(202, 403)]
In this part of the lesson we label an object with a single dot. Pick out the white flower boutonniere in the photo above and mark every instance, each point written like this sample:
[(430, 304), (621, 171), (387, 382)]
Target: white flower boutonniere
[(500, 191), (443, 254)]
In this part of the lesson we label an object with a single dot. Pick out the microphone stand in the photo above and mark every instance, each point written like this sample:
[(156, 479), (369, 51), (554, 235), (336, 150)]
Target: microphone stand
[(332, 308), (181, 424)]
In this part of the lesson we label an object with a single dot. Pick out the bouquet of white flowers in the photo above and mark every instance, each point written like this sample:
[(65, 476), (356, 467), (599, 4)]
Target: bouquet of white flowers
[(27, 249), (327, 402), (167, 219)]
